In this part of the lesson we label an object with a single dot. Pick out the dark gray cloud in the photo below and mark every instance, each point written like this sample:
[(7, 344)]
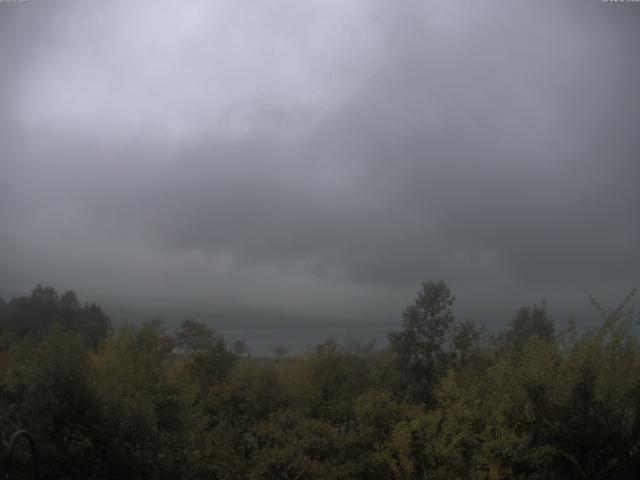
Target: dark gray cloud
[(321, 159)]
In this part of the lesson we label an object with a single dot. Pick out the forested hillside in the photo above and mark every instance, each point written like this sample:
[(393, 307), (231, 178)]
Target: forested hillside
[(445, 400)]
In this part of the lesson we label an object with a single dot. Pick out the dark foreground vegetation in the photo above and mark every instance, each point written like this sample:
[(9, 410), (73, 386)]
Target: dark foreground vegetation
[(444, 401)]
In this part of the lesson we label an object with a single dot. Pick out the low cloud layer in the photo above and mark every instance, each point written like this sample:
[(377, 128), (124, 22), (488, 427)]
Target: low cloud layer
[(317, 158)]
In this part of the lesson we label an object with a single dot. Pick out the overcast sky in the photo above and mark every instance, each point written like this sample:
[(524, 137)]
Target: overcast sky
[(320, 158)]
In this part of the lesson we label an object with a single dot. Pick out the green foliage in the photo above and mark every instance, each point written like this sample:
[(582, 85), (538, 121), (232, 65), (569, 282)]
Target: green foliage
[(529, 321), (35, 315), (420, 343), (143, 407), (336, 377), (46, 388), (145, 404), (208, 359), (467, 342)]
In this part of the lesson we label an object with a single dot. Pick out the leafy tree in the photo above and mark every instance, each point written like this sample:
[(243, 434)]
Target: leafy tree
[(378, 416), (529, 321), (420, 344), (193, 336), (295, 447), (37, 313), (251, 394), (208, 358), (145, 409), (47, 389), (336, 378), (465, 340)]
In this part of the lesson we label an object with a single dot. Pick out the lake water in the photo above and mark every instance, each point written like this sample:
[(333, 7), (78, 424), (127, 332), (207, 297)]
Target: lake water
[(261, 342)]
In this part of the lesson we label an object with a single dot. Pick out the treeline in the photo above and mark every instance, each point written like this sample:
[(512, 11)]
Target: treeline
[(445, 400)]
